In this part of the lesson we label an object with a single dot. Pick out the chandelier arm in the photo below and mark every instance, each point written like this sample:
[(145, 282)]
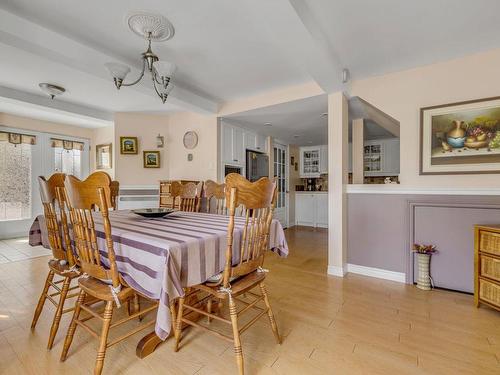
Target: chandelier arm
[(140, 76), (154, 85), (155, 77)]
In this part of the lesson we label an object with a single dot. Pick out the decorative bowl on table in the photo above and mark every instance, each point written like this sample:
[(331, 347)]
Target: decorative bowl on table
[(153, 212), (476, 144)]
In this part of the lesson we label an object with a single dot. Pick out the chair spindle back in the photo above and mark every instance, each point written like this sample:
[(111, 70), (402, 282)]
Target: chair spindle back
[(191, 197), (52, 197), (257, 200), (83, 198), (216, 197), (114, 189)]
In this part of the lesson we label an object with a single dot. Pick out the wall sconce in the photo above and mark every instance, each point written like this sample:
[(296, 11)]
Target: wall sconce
[(160, 141)]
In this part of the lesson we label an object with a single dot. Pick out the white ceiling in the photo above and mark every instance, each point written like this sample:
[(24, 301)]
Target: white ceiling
[(228, 49), (302, 122), (302, 118)]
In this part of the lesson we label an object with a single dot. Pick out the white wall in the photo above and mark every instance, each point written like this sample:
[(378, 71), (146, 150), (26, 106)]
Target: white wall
[(174, 164), (402, 94)]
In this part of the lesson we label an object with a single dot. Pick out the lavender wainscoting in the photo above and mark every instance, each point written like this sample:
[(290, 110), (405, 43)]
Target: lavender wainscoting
[(381, 228)]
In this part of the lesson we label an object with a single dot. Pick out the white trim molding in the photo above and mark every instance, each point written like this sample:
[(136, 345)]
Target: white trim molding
[(379, 273), (409, 190), (337, 271)]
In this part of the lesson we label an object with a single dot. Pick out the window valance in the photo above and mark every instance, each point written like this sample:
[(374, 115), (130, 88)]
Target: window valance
[(67, 145), (18, 138)]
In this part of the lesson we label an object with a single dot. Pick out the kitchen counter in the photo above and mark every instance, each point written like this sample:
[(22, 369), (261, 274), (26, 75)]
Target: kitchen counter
[(312, 192)]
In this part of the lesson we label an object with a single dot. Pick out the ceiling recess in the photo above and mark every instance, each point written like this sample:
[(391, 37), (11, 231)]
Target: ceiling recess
[(157, 27)]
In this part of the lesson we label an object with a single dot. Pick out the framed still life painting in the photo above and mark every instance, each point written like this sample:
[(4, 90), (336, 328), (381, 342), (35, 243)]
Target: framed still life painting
[(460, 138)]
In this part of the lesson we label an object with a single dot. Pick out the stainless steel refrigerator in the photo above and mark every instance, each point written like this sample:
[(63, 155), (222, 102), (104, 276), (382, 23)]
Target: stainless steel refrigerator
[(257, 165)]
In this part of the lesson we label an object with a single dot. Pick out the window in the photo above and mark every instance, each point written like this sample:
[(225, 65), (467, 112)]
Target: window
[(68, 161), (15, 181)]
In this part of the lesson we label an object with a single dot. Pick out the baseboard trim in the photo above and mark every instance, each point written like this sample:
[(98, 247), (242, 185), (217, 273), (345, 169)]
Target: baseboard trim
[(337, 271), (379, 273)]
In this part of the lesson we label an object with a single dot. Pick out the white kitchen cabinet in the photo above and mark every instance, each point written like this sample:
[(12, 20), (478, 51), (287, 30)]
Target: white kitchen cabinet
[(381, 157), (304, 209), (323, 159), (233, 147), (391, 156), (321, 210), (261, 144), (250, 141), (310, 161), (311, 209)]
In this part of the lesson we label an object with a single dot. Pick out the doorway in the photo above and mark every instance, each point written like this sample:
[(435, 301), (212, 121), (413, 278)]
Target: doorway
[(280, 156)]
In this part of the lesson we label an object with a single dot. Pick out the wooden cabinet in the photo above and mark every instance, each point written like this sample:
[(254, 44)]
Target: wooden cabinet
[(487, 266), (311, 209)]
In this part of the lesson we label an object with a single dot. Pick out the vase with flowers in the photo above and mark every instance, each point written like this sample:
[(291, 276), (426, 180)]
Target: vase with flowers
[(423, 254)]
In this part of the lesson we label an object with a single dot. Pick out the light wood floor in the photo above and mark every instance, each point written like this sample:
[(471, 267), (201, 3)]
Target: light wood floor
[(355, 325)]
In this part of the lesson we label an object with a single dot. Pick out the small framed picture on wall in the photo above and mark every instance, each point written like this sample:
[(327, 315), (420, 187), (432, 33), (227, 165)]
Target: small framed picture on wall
[(128, 145), (103, 157), (151, 159)]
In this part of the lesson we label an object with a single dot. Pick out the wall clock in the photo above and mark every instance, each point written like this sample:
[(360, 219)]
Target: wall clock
[(190, 140)]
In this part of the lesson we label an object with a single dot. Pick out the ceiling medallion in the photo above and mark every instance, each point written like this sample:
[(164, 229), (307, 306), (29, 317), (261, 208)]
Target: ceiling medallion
[(153, 28), (51, 90)]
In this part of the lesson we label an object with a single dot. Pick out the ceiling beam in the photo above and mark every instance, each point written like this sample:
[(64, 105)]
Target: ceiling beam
[(20, 33), (321, 60)]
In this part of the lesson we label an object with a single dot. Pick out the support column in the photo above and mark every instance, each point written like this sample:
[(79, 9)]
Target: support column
[(337, 181), (357, 151)]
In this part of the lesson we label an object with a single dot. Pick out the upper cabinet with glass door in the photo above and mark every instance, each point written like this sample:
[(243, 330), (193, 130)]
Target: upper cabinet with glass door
[(311, 163)]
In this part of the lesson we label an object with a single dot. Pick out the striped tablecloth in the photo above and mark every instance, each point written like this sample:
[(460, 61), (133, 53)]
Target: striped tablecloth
[(159, 257)]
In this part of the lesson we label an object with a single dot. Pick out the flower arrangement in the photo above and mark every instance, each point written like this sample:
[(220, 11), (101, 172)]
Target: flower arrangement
[(424, 249)]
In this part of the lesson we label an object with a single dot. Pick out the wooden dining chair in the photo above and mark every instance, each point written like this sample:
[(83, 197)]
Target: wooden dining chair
[(114, 188), (216, 197), (190, 197), (63, 262), (243, 265), (101, 282)]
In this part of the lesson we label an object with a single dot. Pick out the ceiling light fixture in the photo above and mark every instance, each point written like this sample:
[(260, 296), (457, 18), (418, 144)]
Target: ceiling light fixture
[(51, 90), (268, 124), (153, 28)]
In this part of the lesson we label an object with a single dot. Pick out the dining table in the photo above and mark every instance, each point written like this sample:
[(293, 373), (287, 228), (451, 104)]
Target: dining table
[(160, 257)]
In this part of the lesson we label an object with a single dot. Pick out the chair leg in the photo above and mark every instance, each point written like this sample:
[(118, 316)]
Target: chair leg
[(41, 301), (103, 342), (209, 309), (178, 324), (72, 326), (137, 306), (270, 314), (236, 333), (59, 310)]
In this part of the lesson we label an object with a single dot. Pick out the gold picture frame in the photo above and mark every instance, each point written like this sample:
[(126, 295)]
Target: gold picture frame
[(104, 156), (129, 145), (151, 159), (460, 138)]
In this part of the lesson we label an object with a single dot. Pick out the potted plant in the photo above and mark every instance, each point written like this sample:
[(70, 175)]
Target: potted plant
[(424, 253)]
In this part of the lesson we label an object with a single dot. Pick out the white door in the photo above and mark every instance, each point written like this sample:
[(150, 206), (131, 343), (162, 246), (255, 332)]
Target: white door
[(238, 146), (281, 174)]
